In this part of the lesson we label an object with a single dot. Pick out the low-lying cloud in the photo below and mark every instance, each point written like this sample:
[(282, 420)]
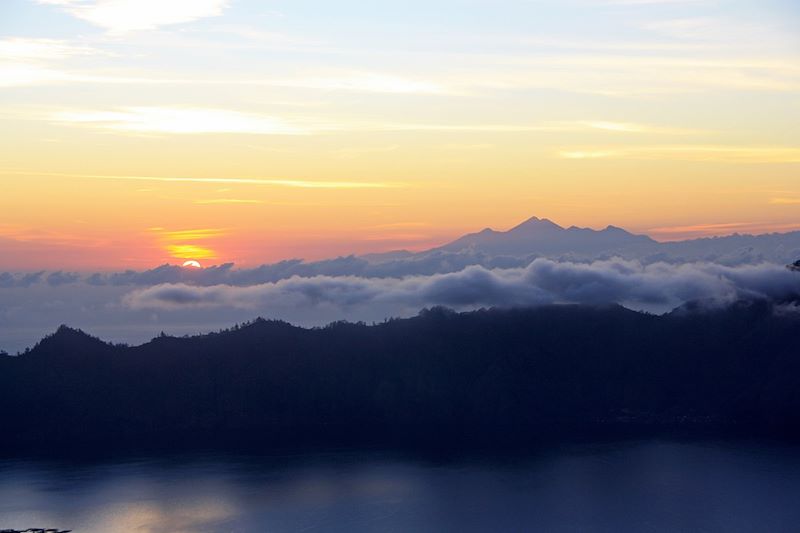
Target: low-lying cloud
[(227, 274), (135, 306), (542, 281)]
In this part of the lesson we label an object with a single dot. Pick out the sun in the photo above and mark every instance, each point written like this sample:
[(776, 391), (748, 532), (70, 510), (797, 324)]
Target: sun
[(191, 263)]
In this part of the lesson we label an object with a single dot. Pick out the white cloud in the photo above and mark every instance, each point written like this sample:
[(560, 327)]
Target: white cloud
[(17, 48), (178, 120), (28, 73), (119, 16), (625, 75), (24, 74), (181, 120), (630, 127), (363, 82), (295, 183), (25, 61), (555, 126), (588, 154), (543, 281), (730, 154), (20, 70), (613, 75)]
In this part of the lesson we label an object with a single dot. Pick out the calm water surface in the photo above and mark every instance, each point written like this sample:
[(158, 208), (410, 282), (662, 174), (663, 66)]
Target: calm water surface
[(640, 486)]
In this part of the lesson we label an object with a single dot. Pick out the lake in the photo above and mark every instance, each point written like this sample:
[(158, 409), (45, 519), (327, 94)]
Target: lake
[(614, 487)]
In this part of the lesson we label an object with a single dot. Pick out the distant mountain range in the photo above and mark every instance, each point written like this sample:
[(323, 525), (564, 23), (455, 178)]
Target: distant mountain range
[(544, 237), (441, 378), (540, 237), (491, 249)]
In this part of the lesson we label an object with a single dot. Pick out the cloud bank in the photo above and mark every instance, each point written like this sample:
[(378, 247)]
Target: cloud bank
[(134, 306), (542, 281)]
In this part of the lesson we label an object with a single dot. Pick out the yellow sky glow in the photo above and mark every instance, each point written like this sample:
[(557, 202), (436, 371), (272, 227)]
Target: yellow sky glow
[(140, 132)]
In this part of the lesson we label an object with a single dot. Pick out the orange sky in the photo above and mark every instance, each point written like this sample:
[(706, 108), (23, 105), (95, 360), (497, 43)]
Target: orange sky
[(223, 131)]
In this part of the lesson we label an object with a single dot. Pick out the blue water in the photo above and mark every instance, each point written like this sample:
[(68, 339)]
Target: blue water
[(633, 486)]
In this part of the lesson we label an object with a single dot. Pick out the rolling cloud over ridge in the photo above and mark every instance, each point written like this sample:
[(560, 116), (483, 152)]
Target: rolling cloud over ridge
[(543, 281), (134, 306)]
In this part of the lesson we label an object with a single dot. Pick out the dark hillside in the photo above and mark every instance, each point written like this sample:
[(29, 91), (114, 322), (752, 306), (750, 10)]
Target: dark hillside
[(440, 377)]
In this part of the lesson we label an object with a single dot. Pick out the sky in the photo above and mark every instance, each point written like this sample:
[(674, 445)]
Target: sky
[(139, 132)]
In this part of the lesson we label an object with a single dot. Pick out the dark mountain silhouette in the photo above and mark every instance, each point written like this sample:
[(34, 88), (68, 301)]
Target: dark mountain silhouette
[(538, 237), (440, 378), (544, 237)]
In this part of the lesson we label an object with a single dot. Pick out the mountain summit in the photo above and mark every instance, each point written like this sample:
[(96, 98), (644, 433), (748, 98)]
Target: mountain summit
[(535, 224)]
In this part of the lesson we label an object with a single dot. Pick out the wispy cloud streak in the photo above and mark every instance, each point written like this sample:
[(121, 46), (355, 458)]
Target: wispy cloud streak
[(732, 154), (181, 120), (302, 184), (119, 16)]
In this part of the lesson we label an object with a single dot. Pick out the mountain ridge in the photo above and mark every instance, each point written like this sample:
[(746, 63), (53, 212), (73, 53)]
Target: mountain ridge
[(541, 237), (441, 378)]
